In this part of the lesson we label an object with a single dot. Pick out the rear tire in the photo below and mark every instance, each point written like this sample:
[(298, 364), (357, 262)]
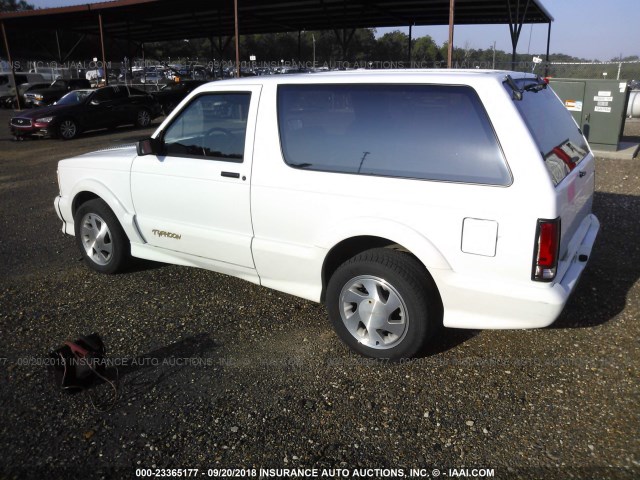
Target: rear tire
[(383, 304), (143, 118), (104, 245)]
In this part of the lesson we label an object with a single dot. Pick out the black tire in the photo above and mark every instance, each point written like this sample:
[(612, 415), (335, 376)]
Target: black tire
[(104, 252), (67, 129), (383, 332), (143, 118)]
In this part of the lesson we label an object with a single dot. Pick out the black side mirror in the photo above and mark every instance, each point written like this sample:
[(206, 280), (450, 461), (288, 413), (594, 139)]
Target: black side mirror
[(149, 146)]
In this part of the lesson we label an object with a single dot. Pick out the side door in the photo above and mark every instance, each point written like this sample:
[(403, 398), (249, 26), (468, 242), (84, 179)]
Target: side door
[(101, 112), (194, 197), (122, 107)]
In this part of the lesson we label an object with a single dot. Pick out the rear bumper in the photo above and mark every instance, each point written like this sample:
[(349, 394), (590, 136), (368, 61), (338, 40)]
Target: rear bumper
[(480, 304)]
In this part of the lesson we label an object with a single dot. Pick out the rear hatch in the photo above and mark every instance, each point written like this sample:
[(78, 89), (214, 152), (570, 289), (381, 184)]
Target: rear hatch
[(565, 153)]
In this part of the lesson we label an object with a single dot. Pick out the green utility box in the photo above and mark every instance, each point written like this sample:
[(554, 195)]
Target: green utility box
[(598, 107)]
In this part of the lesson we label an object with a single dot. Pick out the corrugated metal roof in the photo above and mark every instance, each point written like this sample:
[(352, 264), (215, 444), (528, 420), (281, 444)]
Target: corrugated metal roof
[(155, 20)]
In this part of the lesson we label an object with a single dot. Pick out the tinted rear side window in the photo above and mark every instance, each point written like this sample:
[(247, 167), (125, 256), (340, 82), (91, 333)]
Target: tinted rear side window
[(429, 132), (559, 139)]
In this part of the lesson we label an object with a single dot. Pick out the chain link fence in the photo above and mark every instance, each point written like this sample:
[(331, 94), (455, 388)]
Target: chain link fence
[(629, 70), (93, 70), (603, 70)]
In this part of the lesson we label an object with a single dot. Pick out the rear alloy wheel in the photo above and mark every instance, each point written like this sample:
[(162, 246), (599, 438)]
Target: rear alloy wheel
[(383, 304), (104, 245), (143, 119), (68, 129)]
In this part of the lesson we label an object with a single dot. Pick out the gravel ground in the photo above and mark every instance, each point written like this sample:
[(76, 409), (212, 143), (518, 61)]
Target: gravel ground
[(269, 384)]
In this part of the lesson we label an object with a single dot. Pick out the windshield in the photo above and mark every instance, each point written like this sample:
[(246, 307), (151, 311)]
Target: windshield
[(75, 97), (59, 83)]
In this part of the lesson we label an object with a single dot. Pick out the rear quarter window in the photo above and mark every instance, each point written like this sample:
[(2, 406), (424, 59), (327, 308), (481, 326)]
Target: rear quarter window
[(428, 132)]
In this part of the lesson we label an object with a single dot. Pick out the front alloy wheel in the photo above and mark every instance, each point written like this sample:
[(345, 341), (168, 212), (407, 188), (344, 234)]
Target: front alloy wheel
[(104, 245), (96, 238), (68, 129)]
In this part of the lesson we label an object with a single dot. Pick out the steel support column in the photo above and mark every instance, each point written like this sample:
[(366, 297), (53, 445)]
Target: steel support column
[(104, 58), (451, 22), (546, 67), (515, 27), (13, 70), (235, 16), (410, 40), (58, 45)]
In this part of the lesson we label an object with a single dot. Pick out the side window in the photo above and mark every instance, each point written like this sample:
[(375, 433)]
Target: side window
[(429, 132), (212, 126), (120, 92), (103, 94), (136, 92)]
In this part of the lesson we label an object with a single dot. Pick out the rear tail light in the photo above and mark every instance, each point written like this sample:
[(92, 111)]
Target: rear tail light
[(545, 253)]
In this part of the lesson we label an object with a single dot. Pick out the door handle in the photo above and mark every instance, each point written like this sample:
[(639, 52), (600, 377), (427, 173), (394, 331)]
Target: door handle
[(582, 173), (230, 174)]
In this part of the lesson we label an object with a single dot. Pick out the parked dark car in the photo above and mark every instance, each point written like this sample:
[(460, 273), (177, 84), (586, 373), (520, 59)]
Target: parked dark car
[(54, 92), (172, 94), (11, 102), (82, 110)]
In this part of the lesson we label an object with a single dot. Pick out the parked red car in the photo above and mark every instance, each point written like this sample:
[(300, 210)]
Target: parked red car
[(82, 110)]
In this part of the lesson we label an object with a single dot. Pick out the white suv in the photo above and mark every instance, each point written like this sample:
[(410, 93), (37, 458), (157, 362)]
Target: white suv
[(402, 199)]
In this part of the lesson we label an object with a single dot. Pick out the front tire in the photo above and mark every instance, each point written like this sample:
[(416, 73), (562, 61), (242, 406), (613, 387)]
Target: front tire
[(383, 304), (104, 245), (68, 129)]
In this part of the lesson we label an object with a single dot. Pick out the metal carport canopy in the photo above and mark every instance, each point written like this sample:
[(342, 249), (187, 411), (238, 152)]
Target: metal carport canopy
[(157, 20)]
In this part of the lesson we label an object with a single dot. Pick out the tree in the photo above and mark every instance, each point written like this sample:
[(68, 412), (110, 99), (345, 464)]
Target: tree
[(14, 6), (424, 50), (392, 47)]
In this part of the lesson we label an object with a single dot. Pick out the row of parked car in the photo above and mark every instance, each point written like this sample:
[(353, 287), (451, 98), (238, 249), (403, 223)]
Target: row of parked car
[(66, 108)]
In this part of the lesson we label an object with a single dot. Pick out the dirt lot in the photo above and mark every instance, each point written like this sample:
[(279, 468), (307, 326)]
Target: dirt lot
[(268, 385)]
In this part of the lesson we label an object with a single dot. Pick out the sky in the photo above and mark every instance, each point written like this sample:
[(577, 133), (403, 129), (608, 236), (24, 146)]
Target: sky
[(591, 29)]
